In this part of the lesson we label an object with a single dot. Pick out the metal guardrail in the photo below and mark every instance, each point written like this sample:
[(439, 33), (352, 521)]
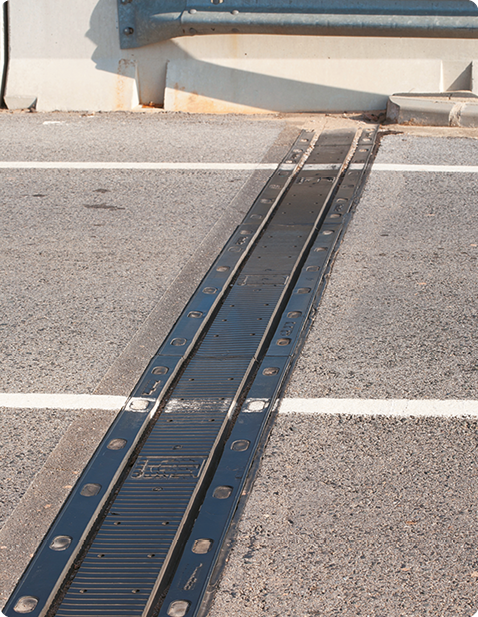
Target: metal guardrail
[(142, 22)]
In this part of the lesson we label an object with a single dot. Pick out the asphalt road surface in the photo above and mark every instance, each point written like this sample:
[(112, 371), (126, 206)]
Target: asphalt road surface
[(364, 505)]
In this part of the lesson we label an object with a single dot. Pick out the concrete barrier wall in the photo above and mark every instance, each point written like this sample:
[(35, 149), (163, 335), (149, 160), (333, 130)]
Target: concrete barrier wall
[(66, 56)]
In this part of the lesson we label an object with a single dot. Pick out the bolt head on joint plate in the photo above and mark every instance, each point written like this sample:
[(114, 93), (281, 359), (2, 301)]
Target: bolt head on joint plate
[(139, 404)]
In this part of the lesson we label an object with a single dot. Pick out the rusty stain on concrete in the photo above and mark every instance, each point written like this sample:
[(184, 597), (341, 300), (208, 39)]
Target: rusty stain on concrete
[(193, 102), (125, 72)]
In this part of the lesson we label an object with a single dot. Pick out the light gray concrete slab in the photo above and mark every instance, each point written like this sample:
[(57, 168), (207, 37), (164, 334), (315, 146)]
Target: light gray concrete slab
[(427, 112), (442, 109), (140, 137), (359, 517), (86, 256)]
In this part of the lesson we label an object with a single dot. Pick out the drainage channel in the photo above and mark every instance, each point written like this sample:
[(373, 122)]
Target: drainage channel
[(113, 548)]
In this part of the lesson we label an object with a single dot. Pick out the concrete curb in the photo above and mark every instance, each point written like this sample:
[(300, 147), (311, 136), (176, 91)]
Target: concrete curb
[(444, 109)]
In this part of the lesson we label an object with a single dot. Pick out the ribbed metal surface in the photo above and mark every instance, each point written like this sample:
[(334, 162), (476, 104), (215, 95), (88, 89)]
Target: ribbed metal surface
[(120, 570), (210, 377), (242, 320), (194, 583)]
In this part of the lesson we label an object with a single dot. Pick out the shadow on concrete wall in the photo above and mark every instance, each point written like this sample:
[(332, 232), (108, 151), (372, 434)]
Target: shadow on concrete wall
[(198, 86), (463, 81), (103, 32), (191, 81)]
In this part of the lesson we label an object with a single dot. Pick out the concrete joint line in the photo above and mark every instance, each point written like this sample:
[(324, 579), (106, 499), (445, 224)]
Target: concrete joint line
[(455, 114)]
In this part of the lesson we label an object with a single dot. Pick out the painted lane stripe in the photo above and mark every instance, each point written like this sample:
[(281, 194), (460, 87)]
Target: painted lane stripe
[(380, 407), (228, 166), (367, 407), (61, 401), (460, 169), (138, 166), (164, 165)]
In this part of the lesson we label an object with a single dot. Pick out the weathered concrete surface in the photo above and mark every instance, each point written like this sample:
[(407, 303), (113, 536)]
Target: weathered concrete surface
[(228, 85), (446, 109), (373, 516), (359, 517)]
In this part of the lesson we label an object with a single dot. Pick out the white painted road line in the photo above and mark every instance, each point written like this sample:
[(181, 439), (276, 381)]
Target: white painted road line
[(457, 169), (138, 166), (229, 166), (165, 166), (61, 401), (380, 407), (357, 407)]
